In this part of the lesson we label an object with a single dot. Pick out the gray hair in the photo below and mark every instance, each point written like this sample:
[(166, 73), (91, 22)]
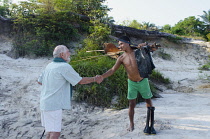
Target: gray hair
[(59, 49)]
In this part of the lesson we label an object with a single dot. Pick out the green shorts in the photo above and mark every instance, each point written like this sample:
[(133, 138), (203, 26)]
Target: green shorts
[(142, 87)]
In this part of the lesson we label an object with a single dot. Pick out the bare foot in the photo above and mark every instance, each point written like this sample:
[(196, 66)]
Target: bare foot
[(130, 129)]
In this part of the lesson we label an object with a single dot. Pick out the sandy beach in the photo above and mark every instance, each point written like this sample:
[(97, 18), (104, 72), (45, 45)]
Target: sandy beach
[(183, 112)]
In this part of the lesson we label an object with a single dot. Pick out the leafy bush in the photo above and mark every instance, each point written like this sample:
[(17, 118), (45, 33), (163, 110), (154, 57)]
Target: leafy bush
[(4, 10), (91, 64), (205, 67), (175, 39), (208, 36), (190, 26), (40, 27), (164, 55), (41, 34), (100, 95), (158, 77)]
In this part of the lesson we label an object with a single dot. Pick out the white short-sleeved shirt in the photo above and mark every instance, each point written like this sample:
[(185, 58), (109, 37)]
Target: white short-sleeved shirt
[(56, 80)]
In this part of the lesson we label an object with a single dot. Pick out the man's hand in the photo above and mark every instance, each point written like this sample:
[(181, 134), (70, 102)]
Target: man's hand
[(99, 78), (141, 45), (154, 47)]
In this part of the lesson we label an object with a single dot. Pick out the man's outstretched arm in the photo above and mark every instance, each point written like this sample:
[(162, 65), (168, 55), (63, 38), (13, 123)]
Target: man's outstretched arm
[(110, 71)]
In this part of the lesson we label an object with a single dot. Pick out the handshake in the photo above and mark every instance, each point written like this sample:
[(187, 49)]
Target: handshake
[(98, 79)]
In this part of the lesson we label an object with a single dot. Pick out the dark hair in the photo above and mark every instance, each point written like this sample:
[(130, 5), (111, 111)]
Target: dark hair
[(125, 38)]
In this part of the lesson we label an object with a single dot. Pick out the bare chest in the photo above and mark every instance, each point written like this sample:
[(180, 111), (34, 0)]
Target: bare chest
[(129, 61)]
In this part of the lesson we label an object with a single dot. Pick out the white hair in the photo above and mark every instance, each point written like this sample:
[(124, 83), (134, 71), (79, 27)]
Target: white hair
[(59, 49)]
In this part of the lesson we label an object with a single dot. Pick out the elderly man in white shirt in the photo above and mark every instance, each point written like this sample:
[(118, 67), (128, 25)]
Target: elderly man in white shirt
[(55, 92)]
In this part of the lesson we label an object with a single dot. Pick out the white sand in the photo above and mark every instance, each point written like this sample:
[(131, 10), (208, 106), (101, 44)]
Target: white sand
[(182, 113)]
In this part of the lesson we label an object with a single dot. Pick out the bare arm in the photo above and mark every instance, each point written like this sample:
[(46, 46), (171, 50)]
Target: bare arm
[(87, 80), (113, 69), (100, 78)]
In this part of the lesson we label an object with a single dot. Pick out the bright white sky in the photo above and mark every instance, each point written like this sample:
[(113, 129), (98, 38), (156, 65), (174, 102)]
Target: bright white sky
[(159, 12)]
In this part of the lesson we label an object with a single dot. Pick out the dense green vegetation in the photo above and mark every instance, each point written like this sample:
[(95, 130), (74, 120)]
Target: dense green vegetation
[(189, 27), (40, 25)]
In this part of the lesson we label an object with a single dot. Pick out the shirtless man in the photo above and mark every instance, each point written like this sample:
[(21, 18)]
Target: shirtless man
[(127, 59)]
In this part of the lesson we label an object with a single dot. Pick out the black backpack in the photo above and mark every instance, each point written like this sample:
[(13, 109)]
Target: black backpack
[(144, 61)]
